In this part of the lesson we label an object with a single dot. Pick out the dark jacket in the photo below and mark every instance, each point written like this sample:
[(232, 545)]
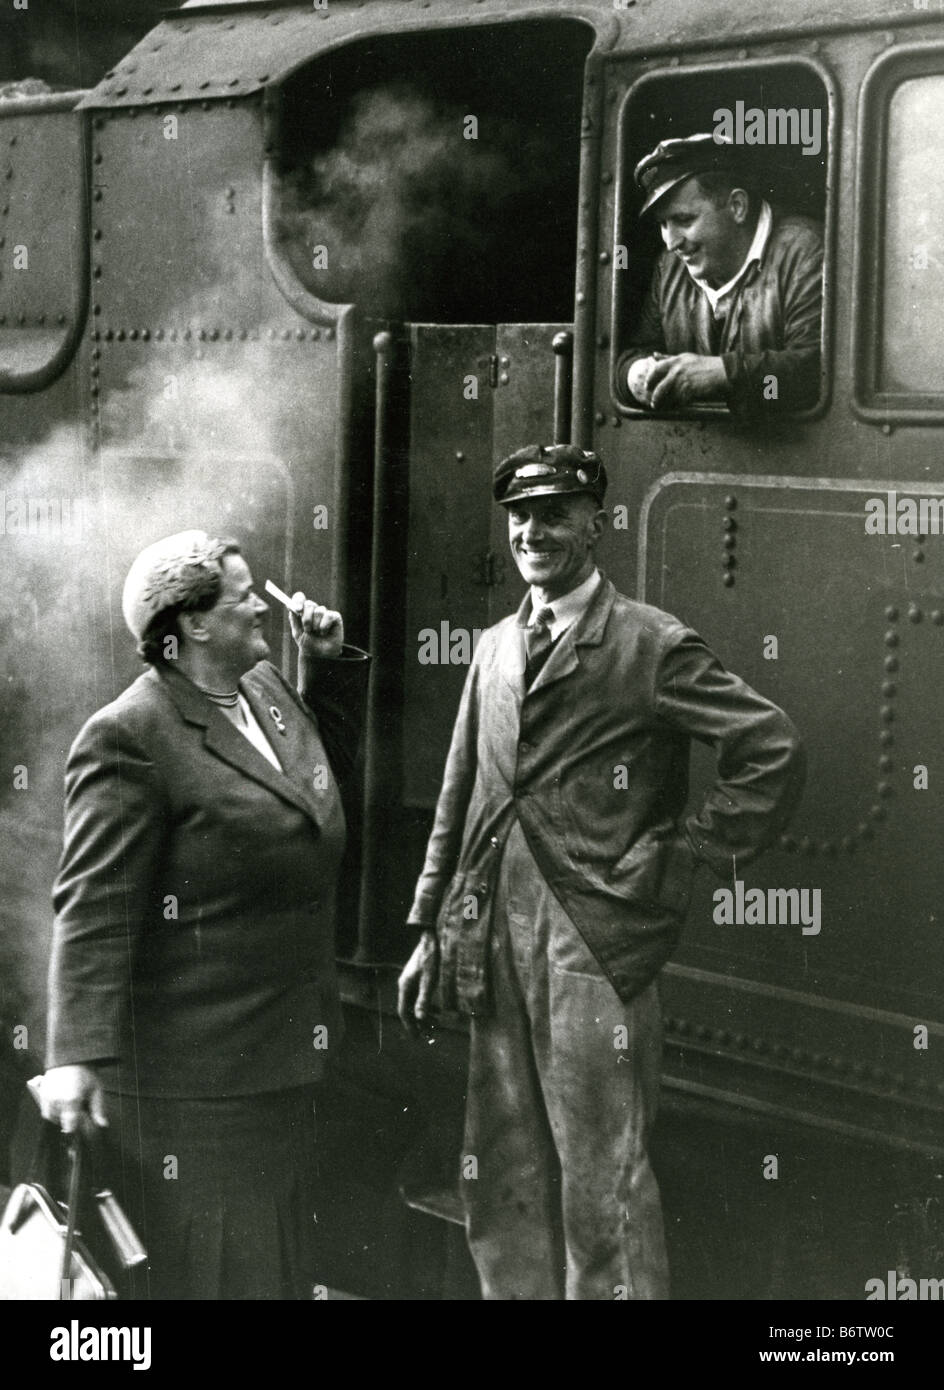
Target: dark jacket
[(594, 761), (193, 948), (772, 329)]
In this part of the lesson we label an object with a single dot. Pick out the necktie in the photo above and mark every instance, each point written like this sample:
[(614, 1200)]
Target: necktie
[(538, 643)]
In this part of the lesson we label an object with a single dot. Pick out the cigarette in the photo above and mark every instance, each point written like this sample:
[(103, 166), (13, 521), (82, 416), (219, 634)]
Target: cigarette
[(283, 598)]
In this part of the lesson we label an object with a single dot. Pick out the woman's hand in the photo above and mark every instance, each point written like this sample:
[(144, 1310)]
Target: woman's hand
[(318, 631), (67, 1094)]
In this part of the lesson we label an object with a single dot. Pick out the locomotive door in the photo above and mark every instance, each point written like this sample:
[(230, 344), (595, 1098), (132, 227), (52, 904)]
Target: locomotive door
[(477, 392)]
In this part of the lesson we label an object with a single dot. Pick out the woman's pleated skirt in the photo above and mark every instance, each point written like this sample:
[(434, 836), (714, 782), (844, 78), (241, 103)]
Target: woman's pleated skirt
[(221, 1192)]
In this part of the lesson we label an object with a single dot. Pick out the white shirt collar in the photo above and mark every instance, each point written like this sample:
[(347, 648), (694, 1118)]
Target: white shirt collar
[(252, 730), (755, 253), (569, 607)]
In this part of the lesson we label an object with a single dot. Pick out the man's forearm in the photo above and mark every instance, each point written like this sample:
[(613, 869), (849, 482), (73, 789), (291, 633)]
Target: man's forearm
[(771, 789), (760, 760), (786, 379)]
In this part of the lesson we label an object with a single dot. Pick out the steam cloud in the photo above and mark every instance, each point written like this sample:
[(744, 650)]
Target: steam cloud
[(68, 533), (419, 221)]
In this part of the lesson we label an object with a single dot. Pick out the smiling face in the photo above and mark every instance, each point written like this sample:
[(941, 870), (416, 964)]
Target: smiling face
[(711, 238), (553, 539), (231, 631)]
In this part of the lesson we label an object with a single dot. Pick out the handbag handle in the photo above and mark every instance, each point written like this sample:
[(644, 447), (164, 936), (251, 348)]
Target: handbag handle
[(75, 1181), (82, 1145)]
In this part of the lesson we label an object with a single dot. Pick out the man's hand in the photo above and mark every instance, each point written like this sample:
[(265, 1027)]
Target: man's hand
[(318, 631), (684, 378), (638, 376), (70, 1095), (416, 984)]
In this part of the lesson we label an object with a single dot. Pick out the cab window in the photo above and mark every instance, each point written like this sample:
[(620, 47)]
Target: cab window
[(901, 242), (718, 283)]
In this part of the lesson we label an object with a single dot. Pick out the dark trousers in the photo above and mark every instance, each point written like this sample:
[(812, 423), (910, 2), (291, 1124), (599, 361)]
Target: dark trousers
[(563, 1086)]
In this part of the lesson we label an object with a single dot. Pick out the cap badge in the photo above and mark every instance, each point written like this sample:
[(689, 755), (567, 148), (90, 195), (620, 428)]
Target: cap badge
[(535, 470)]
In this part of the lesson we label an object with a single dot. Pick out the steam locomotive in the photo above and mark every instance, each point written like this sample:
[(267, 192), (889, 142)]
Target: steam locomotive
[(302, 273)]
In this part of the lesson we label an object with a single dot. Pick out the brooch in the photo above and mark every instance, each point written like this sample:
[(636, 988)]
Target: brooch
[(276, 714)]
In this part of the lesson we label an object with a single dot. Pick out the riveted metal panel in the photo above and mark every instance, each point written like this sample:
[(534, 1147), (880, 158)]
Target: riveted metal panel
[(204, 56), (192, 345), (176, 239), (447, 565), (187, 394), (27, 417), (212, 56), (43, 243), (835, 1007), (207, 54)]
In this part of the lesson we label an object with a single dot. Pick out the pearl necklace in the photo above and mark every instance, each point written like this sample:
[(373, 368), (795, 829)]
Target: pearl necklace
[(226, 699)]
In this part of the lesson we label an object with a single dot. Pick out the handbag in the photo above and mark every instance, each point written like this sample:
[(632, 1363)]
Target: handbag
[(42, 1254)]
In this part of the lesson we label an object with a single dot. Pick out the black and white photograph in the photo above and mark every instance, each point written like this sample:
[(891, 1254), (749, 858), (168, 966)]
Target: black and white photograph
[(471, 651)]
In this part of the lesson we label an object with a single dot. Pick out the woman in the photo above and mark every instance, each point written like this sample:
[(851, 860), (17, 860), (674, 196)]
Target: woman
[(193, 997)]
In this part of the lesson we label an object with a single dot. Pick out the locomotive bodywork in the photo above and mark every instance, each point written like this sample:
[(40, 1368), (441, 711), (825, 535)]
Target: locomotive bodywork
[(169, 356)]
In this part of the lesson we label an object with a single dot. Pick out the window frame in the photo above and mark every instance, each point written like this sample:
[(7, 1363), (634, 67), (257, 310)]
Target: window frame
[(624, 201), (882, 80)]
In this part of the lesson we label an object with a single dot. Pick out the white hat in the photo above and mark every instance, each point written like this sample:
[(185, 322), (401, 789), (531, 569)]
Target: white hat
[(168, 572)]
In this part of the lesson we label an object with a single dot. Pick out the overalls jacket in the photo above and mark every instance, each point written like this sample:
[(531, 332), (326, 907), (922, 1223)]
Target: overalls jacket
[(594, 762), (772, 328)]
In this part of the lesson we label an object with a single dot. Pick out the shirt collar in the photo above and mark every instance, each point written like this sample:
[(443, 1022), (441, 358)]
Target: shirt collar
[(755, 253), (569, 607)]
